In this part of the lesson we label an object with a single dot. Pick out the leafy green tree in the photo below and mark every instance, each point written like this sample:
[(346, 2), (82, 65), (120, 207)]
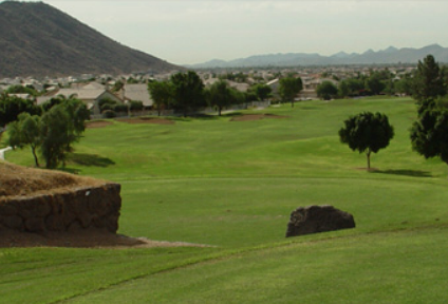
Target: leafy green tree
[(262, 91), (188, 92), (51, 103), (53, 133), (289, 87), (136, 105), (11, 107), (19, 89), (404, 85), (375, 84), (367, 132), (429, 134), (25, 131), (350, 87), (118, 85), (343, 89), (326, 90), (57, 135), (161, 94), (107, 104), (78, 113), (221, 95), (428, 81)]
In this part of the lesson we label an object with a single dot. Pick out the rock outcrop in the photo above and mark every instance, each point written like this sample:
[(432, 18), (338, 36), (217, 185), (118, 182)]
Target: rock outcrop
[(94, 207), (314, 219)]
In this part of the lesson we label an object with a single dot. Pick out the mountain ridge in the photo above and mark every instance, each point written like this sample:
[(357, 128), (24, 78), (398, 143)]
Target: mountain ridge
[(39, 40), (390, 55)]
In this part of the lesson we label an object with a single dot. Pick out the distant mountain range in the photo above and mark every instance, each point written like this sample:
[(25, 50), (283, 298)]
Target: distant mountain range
[(37, 39), (390, 55)]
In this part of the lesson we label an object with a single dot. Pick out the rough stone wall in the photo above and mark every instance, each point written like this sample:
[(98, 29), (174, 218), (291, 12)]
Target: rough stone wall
[(82, 208)]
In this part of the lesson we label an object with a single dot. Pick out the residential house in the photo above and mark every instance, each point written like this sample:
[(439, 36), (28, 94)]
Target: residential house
[(137, 92), (90, 96), (239, 86)]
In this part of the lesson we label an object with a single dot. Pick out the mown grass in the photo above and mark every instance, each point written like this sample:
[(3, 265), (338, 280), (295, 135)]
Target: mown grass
[(232, 185)]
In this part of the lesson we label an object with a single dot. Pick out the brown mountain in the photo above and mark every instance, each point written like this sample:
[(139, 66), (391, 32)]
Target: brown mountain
[(37, 39)]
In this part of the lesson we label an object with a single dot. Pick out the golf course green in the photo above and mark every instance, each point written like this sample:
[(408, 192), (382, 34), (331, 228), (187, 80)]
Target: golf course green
[(229, 184)]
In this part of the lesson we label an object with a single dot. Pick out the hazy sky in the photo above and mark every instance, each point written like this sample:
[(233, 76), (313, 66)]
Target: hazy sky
[(193, 31)]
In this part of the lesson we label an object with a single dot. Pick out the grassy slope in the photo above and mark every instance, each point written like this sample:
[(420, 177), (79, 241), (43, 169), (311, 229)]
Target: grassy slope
[(233, 185)]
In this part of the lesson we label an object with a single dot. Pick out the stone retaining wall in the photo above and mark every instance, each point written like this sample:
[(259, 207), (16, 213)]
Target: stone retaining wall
[(83, 208)]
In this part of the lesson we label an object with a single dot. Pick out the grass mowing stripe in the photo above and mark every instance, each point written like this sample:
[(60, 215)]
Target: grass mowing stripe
[(272, 274)]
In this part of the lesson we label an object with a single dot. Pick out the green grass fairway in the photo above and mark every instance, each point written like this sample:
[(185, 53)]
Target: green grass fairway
[(232, 185)]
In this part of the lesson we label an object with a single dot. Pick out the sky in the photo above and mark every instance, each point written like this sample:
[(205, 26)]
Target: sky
[(195, 31)]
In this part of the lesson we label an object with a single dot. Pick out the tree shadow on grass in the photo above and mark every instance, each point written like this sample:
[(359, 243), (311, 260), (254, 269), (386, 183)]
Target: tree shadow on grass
[(413, 173), (90, 160)]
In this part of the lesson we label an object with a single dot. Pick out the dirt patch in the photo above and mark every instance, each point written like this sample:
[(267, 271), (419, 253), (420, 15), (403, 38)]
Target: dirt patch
[(97, 124), (81, 239), (147, 120), (251, 117), (21, 181)]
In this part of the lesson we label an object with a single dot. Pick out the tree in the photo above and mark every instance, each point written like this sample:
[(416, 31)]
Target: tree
[(429, 134), (57, 135), (350, 87), (136, 105), (326, 90), (25, 131), (375, 84), (428, 80), (118, 86), (11, 107), (404, 85), (78, 113), (289, 88), (367, 132), (262, 91), (161, 93), (221, 95), (19, 89), (188, 92)]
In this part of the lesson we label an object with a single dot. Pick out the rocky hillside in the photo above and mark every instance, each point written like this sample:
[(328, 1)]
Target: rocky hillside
[(37, 39)]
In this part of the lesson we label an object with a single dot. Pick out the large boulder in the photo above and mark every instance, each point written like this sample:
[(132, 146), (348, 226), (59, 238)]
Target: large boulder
[(314, 219)]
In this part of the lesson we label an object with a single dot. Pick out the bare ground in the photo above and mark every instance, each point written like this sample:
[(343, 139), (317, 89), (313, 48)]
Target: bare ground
[(81, 239), (20, 181)]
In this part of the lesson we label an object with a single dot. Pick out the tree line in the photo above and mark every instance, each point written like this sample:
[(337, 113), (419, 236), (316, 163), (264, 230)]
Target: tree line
[(186, 93)]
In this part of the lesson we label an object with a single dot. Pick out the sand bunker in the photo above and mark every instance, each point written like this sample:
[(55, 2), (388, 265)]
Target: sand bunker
[(97, 124)]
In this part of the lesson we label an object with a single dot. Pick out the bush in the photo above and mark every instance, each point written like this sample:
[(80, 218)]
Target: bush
[(109, 114), (136, 105), (120, 107), (106, 104)]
